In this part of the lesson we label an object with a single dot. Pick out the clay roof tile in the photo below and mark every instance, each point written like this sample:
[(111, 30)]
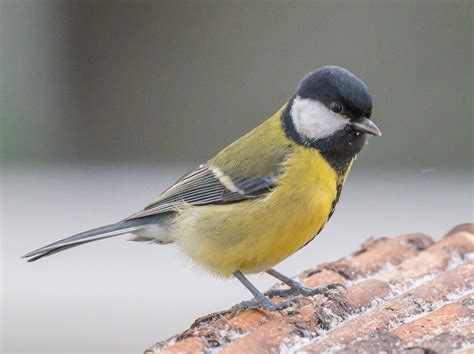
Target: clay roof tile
[(406, 293)]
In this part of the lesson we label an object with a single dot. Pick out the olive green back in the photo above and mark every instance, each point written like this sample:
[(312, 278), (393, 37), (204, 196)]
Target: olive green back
[(257, 153)]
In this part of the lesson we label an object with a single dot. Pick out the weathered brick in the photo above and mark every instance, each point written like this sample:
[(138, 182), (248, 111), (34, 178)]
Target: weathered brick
[(439, 321), (394, 312), (405, 294)]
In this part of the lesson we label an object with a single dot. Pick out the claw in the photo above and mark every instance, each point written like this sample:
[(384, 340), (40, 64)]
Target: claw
[(263, 304), (244, 305), (297, 289), (320, 290), (280, 292)]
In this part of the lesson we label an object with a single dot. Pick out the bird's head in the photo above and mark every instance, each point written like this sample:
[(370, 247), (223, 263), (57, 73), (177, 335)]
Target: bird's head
[(331, 111)]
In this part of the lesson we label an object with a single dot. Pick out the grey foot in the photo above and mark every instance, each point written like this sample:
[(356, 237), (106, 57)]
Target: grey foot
[(264, 303), (298, 289)]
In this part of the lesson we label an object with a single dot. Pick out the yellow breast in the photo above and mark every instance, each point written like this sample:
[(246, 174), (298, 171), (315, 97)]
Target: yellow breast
[(254, 235)]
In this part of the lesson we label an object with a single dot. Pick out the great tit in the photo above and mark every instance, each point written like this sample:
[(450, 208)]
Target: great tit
[(266, 195)]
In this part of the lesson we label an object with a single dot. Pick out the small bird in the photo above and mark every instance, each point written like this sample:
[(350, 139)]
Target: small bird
[(263, 197)]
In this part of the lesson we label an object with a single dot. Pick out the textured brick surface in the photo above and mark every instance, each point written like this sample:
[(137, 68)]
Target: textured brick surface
[(404, 294)]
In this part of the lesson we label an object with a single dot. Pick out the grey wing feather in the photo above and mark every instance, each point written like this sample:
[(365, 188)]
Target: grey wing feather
[(206, 186)]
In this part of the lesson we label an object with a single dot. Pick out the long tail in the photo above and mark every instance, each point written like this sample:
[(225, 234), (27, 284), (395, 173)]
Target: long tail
[(100, 233)]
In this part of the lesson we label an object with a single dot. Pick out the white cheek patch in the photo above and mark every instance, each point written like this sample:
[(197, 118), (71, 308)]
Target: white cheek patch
[(313, 120)]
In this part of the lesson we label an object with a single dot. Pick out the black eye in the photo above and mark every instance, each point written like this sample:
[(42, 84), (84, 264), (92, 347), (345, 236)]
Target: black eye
[(336, 107)]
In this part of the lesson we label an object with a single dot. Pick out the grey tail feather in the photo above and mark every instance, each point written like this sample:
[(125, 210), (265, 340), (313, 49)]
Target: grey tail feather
[(99, 233)]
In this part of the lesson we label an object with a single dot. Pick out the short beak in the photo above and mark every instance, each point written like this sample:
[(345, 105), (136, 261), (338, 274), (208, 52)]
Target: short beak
[(365, 125)]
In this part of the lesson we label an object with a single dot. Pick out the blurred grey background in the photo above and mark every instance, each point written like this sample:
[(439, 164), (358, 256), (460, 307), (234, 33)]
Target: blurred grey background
[(104, 104)]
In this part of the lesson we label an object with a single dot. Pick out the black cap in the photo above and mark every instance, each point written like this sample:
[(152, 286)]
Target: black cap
[(333, 83)]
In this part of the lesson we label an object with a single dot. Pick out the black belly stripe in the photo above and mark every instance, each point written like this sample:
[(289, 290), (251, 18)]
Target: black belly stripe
[(333, 207), (334, 202), (339, 185)]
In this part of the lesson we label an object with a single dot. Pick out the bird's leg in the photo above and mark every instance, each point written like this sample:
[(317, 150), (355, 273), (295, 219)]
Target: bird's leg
[(297, 288), (261, 301)]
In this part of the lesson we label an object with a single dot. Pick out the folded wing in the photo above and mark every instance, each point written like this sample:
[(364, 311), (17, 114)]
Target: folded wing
[(208, 185)]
